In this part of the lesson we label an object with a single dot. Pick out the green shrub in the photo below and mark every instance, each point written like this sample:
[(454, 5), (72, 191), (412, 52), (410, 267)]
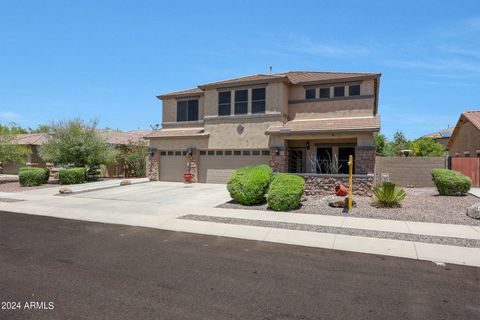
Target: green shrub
[(451, 183), (72, 175), (388, 195), (285, 192), (248, 185), (29, 176)]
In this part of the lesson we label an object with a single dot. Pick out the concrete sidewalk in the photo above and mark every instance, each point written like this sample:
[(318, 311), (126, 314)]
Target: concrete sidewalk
[(102, 206), (475, 192)]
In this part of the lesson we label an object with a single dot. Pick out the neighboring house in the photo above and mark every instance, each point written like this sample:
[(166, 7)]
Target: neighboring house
[(465, 139), (33, 141), (299, 122), (441, 136)]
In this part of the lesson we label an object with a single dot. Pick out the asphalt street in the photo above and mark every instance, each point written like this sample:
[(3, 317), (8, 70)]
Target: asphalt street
[(64, 269)]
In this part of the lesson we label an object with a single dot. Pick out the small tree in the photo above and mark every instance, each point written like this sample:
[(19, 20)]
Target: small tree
[(77, 142), (10, 152), (134, 154), (427, 147)]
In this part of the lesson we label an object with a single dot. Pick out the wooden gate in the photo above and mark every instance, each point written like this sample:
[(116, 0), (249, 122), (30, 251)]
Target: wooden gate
[(469, 167)]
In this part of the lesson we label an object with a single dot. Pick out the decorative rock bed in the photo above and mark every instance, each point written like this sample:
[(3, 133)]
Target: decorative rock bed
[(323, 184)]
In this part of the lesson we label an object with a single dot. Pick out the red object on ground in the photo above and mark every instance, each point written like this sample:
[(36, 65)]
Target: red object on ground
[(187, 177), (340, 190)]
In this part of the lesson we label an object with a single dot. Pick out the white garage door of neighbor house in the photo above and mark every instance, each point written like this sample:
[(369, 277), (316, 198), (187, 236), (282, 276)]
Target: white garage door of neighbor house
[(173, 165), (217, 166)]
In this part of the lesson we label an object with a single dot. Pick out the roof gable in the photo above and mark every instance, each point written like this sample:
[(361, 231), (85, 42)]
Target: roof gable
[(470, 116)]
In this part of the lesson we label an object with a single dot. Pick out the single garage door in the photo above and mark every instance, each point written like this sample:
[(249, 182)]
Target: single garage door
[(173, 165), (217, 166)]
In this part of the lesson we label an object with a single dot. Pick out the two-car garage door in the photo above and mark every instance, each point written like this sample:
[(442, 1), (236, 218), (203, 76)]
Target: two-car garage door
[(213, 166), (216, 167)]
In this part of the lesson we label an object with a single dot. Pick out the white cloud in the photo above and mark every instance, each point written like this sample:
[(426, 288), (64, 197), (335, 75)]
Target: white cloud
[(306, 45), (9, 116)]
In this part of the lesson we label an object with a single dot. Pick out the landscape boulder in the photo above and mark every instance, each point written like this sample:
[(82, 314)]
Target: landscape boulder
[(64, 190), (474, 211), (125, 182)]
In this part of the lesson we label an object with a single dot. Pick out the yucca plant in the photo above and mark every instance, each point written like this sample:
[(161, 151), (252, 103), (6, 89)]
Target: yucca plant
[(388, 195)]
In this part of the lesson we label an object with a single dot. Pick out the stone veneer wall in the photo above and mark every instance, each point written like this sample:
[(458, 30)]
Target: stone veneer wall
[(192, 163), (153, 165), (364, 160), (323, 184), (279, 163)]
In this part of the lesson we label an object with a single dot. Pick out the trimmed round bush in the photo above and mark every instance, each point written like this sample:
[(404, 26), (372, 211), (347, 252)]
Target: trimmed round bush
[(285, 192), (72, 175), (29, 176), (248, 185), (451, 183)]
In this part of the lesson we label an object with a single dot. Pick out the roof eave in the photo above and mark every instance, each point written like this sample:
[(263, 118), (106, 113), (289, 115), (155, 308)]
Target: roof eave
[(242, 83)]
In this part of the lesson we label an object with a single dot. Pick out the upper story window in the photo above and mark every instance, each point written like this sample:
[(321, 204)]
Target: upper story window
[(324, 93), (258, 100), (187, 110), (241, 101), (310, 94), (339, 91), (354, 90), (224, 102)]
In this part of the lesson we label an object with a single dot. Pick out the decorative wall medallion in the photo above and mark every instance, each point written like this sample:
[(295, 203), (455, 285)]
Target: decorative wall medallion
[(240, 129)]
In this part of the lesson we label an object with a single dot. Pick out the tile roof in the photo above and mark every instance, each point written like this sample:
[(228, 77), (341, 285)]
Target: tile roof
[(300, 77), (445, 133), (472, 116), (35, 139), (293, 77), (178, 132), (180, 93), (327, 125), (122, 137)]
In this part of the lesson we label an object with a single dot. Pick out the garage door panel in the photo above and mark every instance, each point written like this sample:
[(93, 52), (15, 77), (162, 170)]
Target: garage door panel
[(217, 169), (172, 168)]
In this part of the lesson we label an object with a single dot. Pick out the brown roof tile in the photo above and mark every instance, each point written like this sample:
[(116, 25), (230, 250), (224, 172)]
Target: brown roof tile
[(246, 79), (327, 125), (174, 133), (36, 139), (300, 77), (472, 116), (123, 137), (187, 92)]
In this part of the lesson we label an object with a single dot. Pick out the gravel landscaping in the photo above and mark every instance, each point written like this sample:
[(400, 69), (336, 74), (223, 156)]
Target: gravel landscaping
[(421, 204), (16, 187), (339, 230)]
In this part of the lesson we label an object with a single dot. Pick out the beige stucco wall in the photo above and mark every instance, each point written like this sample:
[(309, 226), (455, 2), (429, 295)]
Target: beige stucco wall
[(331, 109), (169, 108), (466, 139), (178, 143), (225, 134)]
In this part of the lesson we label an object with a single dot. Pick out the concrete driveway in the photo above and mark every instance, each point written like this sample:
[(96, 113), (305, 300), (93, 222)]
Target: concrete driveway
[(164, 193)]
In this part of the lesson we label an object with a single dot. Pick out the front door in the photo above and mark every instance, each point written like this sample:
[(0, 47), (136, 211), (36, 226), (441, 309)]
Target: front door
[(296, 160)]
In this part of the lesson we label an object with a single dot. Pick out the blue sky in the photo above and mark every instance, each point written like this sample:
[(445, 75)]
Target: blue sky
[(108, 59)]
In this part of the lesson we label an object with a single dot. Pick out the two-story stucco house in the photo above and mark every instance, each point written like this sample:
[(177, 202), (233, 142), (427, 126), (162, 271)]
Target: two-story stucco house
[(300, 122)]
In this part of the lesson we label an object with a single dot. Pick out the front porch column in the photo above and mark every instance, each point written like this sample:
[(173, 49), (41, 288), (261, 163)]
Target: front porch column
[(279, 162), (153, 165), (192, 164), (364, 160)]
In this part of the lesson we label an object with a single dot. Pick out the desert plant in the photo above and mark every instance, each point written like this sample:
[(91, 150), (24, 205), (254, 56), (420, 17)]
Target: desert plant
[(29, 176), (77, 142), (388, 195), (451, 183), (285, 192), (72, 175), (248, 185)]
